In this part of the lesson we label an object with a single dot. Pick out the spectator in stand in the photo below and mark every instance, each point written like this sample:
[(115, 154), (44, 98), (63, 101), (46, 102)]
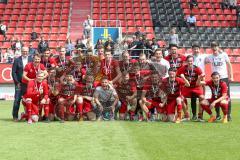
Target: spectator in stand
[(80, 44), (136, 47), (154, 44), (173, 37), (109, 42), (18, 47), (42, 46), (138, 33), (34, 36), (87, 25), (69, 47), (193, 3), (9, 55), (225, 4), (232, 4), (3, 29), (32, 51), (99, 42), (191, 20)]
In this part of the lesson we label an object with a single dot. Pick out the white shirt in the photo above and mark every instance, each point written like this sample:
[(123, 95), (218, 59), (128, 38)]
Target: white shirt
[(161, 66), (191, 19), (219, 64), (24, 61), (199, 60)]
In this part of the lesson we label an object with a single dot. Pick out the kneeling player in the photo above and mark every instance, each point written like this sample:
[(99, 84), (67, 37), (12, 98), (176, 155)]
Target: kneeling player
[(151, 98), (67, 99), (127, 93), (106, 99), (85, 101), (219, 97), (36, 98), (171, 86)]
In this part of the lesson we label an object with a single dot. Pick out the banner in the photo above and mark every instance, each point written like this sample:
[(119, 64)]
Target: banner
[(5, 73), (105, 32)]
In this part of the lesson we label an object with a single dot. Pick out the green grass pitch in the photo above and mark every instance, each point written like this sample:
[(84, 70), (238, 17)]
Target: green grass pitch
[(118, 140)]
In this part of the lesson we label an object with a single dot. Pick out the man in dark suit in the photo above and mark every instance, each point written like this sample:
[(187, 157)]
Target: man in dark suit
[(17, 72)]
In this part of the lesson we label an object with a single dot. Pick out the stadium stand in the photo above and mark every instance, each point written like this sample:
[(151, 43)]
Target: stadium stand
[(48, 18), (131, 13), (213, 23)]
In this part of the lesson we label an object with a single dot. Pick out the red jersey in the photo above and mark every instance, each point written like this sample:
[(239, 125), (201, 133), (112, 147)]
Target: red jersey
[(176, 62), (37, 89), (190, 74), (68, 89), (88, 90), (78, 75), (62, 63), (32, 71), (152, 90), (126, 66), (109, 69), (49, 63), (124, 90), (217, 91), (172, 89)]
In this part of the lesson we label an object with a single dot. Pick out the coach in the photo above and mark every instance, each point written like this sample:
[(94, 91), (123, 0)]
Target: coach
[(17, 72)]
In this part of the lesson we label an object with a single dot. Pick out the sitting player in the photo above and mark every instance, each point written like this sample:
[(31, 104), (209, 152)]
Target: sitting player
[(171, 87), (127, 93), (36, 98), (85, 101), (219, 97)]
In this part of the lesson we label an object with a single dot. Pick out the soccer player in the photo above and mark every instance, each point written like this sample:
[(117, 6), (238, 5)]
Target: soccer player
[(110, 67), (175, 59), (127, 93), (219, 97), (126, 63), (200, 61), (150, 98), (67, 98), (86, 101), (36, 98), (78, 72), (48, 61), (192, 73), (32, 68), (220, 63), (53, 85), (172, 87), (106, 98), (159, 64)]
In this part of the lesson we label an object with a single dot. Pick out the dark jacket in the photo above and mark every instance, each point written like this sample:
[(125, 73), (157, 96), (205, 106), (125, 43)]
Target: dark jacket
[(17, 69)]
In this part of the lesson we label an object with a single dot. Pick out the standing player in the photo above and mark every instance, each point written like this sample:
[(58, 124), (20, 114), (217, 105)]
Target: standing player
[(48, 61), (220, 63), (192, 74), (78, 72), (172, 87), (175, 59), (126, 63), (127, 93), (110, 67), (32, 68), (36, 98), (159, 64), (219, 97), (199, 60)]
